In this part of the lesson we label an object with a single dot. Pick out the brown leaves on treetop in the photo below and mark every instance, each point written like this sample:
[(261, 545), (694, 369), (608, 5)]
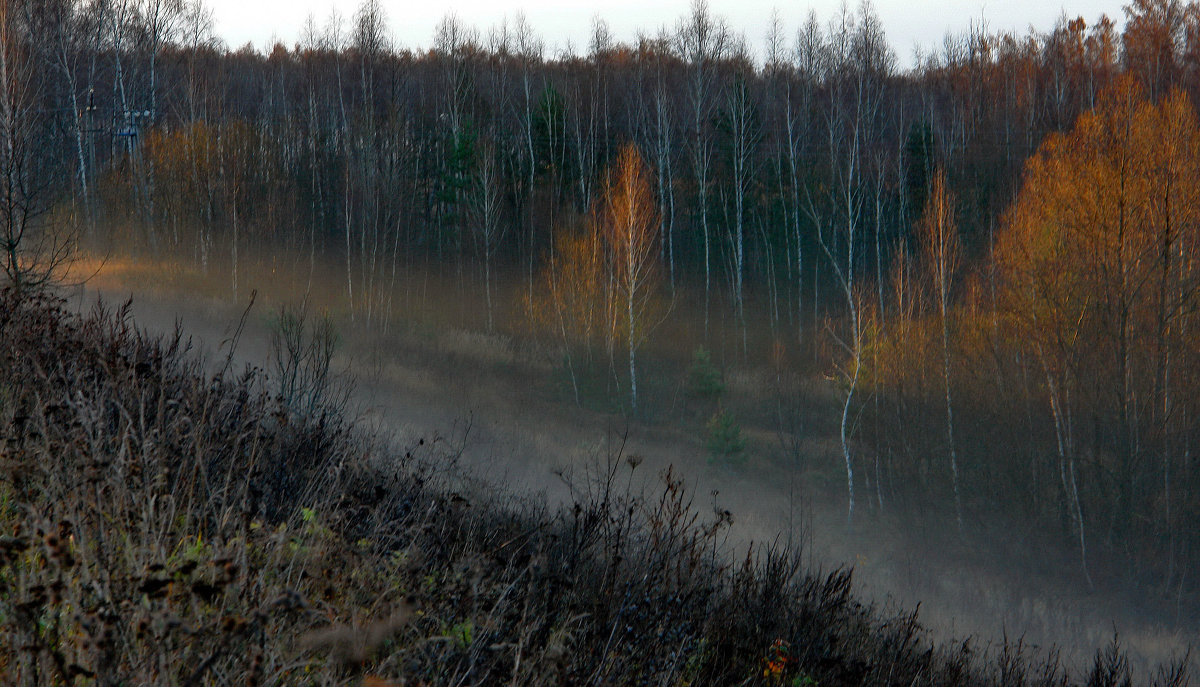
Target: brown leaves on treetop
[(1098, 203), (603, 259)]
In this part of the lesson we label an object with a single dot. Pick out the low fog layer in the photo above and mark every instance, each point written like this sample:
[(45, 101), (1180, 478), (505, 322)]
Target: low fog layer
[(511, 438)]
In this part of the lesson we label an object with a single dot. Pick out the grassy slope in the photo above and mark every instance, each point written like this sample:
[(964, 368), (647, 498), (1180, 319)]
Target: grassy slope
[(162, 525)]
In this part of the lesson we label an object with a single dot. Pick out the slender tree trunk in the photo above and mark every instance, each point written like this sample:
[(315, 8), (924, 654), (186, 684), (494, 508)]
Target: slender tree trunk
[(234, 250), (879, 242), (83, 177), (950, 417), (795, 179), (846, 405), (1060, 408), (531, 181), (487, 288), (632, 353), (707, 250), (346, 224)]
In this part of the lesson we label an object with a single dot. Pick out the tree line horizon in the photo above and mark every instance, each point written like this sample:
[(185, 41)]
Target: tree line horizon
[(991, 254)]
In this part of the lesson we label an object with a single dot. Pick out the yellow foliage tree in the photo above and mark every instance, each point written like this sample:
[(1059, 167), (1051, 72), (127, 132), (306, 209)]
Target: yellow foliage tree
[(1098, 262), (601, 280), (571, 299), (628, 221)]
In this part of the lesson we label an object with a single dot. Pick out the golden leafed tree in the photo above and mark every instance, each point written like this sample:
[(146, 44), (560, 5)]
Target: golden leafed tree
[(1098, 261), (571, 298), (602, 278), (628, 221)]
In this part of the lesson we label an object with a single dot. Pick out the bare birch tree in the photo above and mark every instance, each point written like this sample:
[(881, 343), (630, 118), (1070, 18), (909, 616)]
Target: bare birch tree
[(34, 249), (702, 42), (942, 255)]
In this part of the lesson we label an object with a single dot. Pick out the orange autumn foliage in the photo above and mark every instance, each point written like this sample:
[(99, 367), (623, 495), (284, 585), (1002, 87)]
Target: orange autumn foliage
[(1100, 244)]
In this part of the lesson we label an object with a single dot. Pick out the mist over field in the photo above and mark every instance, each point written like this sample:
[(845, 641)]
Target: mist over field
[(493, 401), (797, 315)]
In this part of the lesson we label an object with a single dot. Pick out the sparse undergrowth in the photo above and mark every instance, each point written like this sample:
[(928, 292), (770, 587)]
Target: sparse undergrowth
[(164, 525)]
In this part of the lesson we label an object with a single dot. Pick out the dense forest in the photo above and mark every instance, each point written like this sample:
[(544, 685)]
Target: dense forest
[(993, 255)]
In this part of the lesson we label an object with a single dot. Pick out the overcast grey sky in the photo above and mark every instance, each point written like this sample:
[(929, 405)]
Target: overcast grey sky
[(909, 23)]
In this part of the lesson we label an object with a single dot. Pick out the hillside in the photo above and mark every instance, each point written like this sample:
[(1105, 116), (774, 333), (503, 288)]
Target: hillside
[(167, 525)]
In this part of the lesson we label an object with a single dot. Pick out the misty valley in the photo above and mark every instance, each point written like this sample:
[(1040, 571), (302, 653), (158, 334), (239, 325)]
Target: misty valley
[(701, 358)]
